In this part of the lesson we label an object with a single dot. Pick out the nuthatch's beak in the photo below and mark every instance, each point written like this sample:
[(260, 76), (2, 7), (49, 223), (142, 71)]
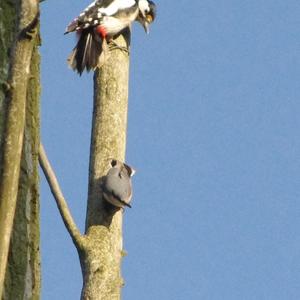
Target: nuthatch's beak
[(131, 171)]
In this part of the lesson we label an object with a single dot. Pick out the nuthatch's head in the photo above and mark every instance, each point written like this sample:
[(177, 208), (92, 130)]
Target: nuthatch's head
[(116, 185), (147, 13), (122, 166)]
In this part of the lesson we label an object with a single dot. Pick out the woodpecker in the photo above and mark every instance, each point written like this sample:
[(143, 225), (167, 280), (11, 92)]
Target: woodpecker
[(116, 185), (99, 23)]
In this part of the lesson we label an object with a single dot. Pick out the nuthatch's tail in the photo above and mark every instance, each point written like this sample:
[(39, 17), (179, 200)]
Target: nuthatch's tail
[(88, 53)]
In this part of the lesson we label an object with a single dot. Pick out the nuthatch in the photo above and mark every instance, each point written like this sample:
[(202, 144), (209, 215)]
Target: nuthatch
[(116, 185)]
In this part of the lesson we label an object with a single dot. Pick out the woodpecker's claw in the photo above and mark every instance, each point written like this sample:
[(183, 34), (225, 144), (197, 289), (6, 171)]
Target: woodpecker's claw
[(113, 46)]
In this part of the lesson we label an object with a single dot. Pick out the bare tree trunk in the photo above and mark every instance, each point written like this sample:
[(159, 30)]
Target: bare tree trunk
[(19, 111), (102, 254)]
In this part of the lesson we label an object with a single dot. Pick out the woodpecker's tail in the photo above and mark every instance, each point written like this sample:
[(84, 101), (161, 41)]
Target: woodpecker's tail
[(87, 53)]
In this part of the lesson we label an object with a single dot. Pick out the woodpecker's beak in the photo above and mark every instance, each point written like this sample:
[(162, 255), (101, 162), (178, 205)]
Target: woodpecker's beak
[(146, 27), (148, 19)]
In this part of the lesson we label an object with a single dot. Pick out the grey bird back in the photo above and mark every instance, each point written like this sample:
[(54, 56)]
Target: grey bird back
[(118, 183)]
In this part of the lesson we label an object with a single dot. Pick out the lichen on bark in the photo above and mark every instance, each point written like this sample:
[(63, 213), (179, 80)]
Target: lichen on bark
[(22, 277), (23, 272), (8, 28)]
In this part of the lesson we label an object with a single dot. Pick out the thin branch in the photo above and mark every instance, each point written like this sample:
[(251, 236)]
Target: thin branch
[(59, 198)]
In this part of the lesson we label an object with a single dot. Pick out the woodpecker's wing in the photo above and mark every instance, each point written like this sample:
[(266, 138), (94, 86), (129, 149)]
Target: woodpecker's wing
[(93, 14), (87, 14)]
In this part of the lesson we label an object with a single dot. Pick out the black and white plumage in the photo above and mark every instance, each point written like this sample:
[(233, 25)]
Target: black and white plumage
[(116, 185), (100, 22)]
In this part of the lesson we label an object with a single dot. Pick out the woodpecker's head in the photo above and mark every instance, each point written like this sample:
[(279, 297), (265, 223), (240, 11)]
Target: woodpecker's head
[(147, 13)]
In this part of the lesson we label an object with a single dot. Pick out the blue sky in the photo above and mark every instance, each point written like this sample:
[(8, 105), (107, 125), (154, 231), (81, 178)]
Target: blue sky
[(214, 134)]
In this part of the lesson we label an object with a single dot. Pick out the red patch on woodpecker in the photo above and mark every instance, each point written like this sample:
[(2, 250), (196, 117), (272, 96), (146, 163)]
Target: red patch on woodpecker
[(78, 33), (101, 31)]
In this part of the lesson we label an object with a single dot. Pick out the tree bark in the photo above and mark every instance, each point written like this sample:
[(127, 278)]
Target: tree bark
[(101, 257), (19, 139)]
